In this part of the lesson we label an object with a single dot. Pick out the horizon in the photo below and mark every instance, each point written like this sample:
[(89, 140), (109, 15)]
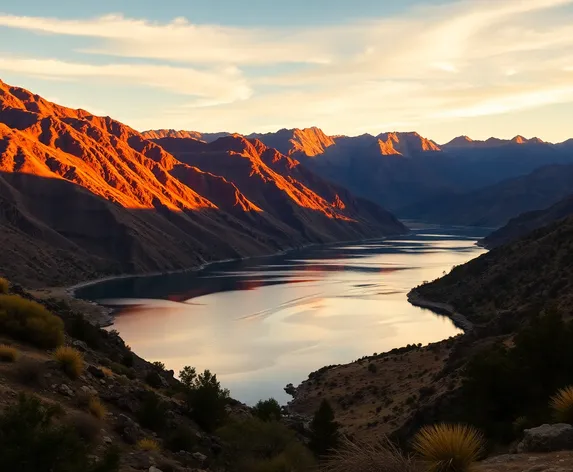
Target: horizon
[(443, 68)]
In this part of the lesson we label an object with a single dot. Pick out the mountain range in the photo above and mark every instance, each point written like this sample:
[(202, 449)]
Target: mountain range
[(84, 196), (404, 171)]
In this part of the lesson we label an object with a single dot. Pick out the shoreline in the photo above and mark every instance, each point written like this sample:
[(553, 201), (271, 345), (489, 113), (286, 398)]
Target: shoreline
[(441, 309)]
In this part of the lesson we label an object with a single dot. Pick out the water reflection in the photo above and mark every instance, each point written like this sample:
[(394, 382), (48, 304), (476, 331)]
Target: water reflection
[(265, 322)]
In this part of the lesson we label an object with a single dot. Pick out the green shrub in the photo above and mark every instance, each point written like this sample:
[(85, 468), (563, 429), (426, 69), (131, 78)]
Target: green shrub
[(30, 441), (205, 398), (562, 405), (160, 365), (449, 448), (85, 427), (8, 353), (181, 439), (152, 413), (324, 434), (30, 372), (268, 410), (4, 286), (123, 370), (262, 446), (70, 360), (29, 321), (380, 456), (153, 379)]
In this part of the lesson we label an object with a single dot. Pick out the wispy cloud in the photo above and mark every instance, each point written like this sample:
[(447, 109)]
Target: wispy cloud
[(460, 59)]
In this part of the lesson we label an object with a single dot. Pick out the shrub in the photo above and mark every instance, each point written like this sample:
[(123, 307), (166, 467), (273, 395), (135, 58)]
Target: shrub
[(324, 433), (148, 444), (30, 441), (30, 371), (71, 361), (380, 456), (31, 322), (106, 371), (268, 410), (96, 408), (127, 359), (160, 365), (85, 426), (4, 286), (205, 398), (562, 405), (449, 448), (262, 446), (152, 413), (123, 370), (8, 353), (181, 439)]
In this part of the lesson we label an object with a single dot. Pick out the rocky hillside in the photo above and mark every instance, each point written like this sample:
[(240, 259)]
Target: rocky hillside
[(527, 222), (172, 133), (525, 276), (84, 196)]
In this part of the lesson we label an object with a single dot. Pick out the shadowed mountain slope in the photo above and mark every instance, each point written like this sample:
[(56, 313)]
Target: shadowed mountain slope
[(85, 196)]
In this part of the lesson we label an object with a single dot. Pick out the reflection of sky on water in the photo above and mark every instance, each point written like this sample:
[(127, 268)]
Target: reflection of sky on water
[(265, 322)]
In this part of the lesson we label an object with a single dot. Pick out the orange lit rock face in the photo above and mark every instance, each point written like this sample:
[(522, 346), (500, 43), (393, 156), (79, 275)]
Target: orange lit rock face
[(308, 141), (405, 144), (84, 196)]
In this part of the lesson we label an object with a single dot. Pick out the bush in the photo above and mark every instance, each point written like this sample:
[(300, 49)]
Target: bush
[(106, 371), (160, 365), (8, 353), (380, 456), (562, 405), (30, 441), (96, 408), (152, 413), (205, 398), (181, 439), (4, 286), (85, 426), (71, 361), (148, 444), (123, 370), (153, 379), (31, 322), (262, 446), (268, 410), (449, 448), (324, 433)]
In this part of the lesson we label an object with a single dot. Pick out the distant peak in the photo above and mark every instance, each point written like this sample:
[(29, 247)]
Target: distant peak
[(519, 140)]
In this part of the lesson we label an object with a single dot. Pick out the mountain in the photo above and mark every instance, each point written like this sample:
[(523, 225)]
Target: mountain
[(171, 133), (527, 222), (466, 142), (495, 205), (522, 277), (84, 196), (308, 141)]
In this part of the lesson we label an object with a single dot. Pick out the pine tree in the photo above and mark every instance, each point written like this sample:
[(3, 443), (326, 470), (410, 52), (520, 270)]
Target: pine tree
[(324, 434)]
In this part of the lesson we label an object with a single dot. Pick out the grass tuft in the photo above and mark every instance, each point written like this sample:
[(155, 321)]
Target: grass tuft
[(562, 405), (4, 285), (379, 456), (8, 353), (148, 444), (106, 371), (31, 322), (449, 448), (96, 408), (70, 360)]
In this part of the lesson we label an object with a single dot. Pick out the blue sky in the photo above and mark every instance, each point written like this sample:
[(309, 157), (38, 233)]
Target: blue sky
[(442, 68)]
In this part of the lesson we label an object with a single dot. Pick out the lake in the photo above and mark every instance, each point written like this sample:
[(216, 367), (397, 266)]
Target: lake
[(262, 323)]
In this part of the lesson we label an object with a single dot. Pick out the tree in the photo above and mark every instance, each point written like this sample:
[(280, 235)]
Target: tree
[(324, 434), (268, 410), (205, 397)]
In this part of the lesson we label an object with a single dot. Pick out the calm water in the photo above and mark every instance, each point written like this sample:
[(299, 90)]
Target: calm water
[(265, 322)]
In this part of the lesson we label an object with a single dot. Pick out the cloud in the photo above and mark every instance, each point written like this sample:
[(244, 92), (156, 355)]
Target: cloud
[(459, 59), (211, 87)]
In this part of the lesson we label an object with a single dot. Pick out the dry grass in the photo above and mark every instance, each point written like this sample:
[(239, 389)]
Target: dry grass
[(106, 371), (96, 408), (4, 285), (31, 322), (449, 448), (8, 353), (70, 360), (379, 456), (148, 444), (562, 405)]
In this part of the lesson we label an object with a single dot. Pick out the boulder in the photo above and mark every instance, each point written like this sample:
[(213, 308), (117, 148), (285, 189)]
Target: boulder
[(128, 429), (97, 373), (547, 438)]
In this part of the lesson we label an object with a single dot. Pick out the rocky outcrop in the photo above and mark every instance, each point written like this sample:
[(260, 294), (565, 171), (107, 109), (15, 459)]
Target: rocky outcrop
[(547, 438)]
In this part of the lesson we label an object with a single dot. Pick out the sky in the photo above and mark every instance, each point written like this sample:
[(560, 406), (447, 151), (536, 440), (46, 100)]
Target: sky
[(442, 68)]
